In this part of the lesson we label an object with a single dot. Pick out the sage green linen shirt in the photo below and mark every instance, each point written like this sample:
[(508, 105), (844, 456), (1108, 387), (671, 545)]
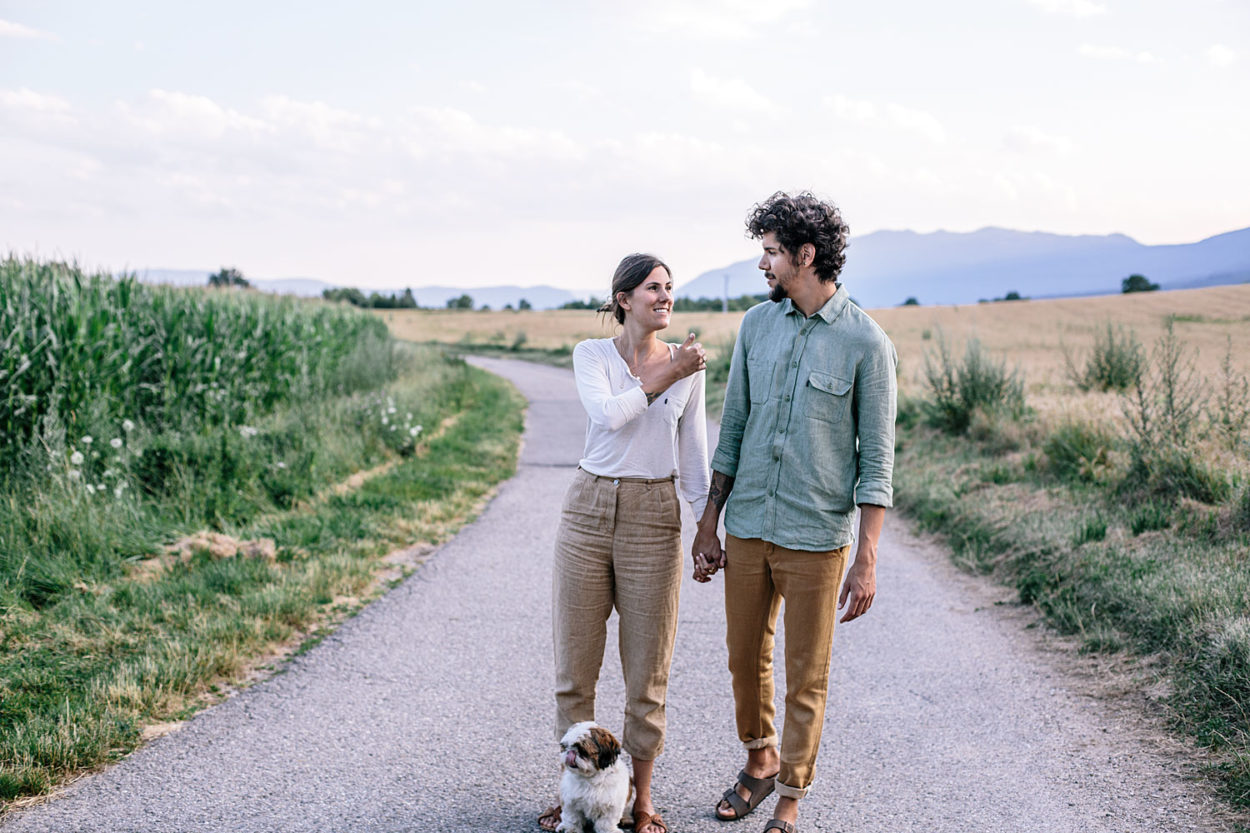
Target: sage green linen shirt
[(808, 426)]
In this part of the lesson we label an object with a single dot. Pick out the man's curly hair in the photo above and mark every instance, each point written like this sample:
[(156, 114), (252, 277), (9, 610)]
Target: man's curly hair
[(804, 219)]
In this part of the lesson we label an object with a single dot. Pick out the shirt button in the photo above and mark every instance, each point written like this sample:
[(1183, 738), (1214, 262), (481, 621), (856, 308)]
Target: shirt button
[(794, 364), (787, 397), (616, 482)]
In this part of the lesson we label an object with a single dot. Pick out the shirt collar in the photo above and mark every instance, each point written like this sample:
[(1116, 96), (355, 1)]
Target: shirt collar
[(829, 311)]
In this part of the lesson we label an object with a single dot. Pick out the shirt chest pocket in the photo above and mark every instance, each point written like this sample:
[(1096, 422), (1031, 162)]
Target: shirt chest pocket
[(828, 396)]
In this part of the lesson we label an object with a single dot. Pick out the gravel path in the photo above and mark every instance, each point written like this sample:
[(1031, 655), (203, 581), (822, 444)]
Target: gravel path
[(431, 709)]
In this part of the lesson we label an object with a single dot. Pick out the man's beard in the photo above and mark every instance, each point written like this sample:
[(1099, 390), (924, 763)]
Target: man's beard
[(778, 293)]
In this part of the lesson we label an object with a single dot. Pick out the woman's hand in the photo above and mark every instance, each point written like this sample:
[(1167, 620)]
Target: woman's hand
[(689, 358)]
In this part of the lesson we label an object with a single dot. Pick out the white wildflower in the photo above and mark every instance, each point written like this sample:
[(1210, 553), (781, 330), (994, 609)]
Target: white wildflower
[(393, 427), (281, 464), (409, 417), (90, 489), (116, 442), (87, 440), (119, 488), (248, 431), (76, 459), (74, 474), (391, 409), (414, 430), (127, 426), (384, 419)]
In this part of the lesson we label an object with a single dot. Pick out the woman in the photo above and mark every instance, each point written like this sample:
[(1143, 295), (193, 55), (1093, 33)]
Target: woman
[(619, 541)]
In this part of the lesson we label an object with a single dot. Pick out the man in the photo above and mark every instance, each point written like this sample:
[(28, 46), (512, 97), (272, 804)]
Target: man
[(807, 433)]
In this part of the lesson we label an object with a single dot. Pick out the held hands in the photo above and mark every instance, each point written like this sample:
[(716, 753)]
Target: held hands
[(707, 553), (690, 358)]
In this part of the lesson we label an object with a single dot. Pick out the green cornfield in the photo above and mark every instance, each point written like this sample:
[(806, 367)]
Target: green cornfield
[(88, 353)]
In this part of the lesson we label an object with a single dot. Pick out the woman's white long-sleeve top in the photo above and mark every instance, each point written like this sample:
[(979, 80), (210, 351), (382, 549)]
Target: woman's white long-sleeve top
[(625, 437)]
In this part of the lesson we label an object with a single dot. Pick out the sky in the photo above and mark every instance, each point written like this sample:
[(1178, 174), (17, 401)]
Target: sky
[(483, 142)]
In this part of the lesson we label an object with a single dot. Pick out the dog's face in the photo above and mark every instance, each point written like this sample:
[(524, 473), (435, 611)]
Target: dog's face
[(587, 748)]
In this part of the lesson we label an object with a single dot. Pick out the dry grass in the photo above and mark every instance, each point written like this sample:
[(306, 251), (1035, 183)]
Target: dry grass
[(1030, 334)]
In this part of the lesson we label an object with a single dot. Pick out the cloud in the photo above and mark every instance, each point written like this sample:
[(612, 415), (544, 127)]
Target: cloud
[(1222, 56), (1029, 139), (852, 109), (9, 29), (1070, 8), (730, 93), (889, 115), (716, 19), (1115, 53)]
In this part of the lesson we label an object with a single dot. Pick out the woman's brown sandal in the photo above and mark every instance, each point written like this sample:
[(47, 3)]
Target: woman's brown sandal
[(641, 820), (550, 816), (759, 789)]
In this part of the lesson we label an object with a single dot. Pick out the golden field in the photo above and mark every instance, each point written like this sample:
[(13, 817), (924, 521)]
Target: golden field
[(1031, 335)]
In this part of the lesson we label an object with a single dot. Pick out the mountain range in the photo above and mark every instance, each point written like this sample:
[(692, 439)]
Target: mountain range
[(886, 268)]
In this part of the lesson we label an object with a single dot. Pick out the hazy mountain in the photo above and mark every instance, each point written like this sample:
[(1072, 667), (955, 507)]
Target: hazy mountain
[(541, 297), (887, 267)]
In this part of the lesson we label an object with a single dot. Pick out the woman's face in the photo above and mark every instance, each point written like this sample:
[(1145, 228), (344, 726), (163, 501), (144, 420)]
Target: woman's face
[(650, 303)]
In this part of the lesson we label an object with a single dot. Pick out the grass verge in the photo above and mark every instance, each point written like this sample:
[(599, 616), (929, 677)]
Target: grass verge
[(116, 632), (1168, 580)]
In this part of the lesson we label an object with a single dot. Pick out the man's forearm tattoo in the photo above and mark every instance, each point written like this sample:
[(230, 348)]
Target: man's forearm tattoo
[(722, 485), (651, 397)]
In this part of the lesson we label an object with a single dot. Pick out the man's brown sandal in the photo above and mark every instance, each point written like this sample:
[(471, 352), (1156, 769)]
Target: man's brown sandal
[(759, 788), (641, 820), (550, 816), (778, 824)]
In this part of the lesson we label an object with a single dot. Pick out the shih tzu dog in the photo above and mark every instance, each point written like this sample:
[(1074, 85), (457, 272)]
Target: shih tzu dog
[(596, 786)]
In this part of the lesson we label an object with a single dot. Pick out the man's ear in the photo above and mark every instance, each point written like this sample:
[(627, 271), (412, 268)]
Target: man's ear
[(807, 254)]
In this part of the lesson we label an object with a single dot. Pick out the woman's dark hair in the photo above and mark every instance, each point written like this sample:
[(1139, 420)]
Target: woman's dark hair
[(630, 272), (804, 219)]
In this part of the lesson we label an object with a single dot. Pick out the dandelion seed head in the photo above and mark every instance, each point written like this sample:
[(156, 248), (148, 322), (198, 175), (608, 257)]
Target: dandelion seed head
[(116, 442), (74, 474), (127, 425), (76, 458), (87, 440)]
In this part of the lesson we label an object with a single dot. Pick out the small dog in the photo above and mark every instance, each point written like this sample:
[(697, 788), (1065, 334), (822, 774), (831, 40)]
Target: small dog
[(596, 785)]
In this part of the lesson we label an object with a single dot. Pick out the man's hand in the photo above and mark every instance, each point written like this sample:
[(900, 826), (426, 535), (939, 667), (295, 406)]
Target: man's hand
[(707, 553), (858, 590), (860, 586)]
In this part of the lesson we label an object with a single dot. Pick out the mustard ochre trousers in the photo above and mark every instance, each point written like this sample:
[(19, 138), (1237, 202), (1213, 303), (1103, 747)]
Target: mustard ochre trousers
[(618, 545), (758, 575)]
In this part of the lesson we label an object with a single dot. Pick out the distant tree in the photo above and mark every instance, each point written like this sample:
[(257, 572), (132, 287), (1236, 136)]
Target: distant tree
[(227, 278), (592, 303), (1137, 283), (508, 308), (1013, 296), (911, 302), (524, 304), (348, 294), (462, 302), (407, 300), (483, 308)]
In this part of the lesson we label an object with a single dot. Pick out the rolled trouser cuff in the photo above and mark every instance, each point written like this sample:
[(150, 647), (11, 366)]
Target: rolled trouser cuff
[(761, 743), (786, 791)]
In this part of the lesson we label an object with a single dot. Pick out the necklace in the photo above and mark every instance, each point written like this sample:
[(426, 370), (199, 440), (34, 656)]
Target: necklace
[(633, 367)]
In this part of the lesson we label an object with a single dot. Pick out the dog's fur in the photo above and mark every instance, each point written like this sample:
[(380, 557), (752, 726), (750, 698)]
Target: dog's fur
[(596, 785)]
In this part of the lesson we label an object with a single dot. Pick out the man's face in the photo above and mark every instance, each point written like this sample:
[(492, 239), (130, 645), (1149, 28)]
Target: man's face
[(779, 267)]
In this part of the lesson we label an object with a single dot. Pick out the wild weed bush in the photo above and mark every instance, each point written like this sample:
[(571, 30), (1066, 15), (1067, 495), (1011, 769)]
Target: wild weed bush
[(960, 389), (1115, 362), (1079, 451), (1162, 413)]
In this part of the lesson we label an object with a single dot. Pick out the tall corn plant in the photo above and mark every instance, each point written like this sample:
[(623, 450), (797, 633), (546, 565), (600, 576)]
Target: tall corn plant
[(79, 350)]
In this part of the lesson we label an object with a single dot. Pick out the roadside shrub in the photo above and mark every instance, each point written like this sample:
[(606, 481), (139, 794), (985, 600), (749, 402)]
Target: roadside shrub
[(1078, 451), (1172, 473), (1090, 530), (1241, 513), (1149, 517), (960, 389), (1115, 363), (1229, 415)]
